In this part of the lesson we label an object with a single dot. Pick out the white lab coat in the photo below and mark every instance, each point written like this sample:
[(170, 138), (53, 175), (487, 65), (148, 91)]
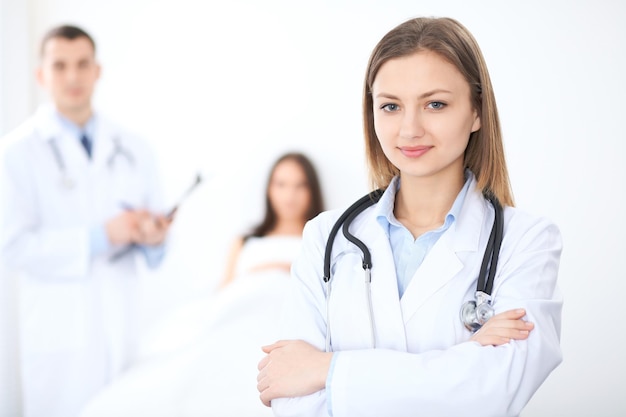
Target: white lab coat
[(424, 364), (77, 311)]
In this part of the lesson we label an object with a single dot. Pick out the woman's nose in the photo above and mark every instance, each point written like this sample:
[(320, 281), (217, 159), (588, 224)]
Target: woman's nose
[(412, 125)]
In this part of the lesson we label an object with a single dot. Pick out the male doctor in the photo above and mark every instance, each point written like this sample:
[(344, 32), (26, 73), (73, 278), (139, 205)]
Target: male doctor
[(76, 190)]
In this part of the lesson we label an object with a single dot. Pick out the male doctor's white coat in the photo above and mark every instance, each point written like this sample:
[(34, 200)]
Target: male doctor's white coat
[(77, 311), (424, 363)]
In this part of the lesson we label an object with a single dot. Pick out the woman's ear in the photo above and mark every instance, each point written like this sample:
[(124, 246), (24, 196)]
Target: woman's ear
[(476, 125)]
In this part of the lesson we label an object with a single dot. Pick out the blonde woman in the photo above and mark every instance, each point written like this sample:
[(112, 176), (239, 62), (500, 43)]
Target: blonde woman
[(434, 146)]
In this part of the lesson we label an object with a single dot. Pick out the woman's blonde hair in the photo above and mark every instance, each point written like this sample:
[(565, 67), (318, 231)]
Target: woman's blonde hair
[(484, 154)]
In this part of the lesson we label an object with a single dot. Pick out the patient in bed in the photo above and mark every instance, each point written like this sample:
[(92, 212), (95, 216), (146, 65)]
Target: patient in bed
[(204, 356)]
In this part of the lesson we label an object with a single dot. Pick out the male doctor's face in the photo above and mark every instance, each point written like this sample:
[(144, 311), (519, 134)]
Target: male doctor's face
[(423, 115), (69, 72)]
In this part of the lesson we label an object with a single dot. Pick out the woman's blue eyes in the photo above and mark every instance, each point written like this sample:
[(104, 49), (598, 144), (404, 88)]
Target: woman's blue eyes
[(434, 105), (390, 107)]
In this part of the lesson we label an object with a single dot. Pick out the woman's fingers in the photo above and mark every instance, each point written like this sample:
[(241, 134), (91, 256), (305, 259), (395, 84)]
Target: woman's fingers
[(264, 394), (265, 398), (262, 381), (291, 368), (262, 377), (275, 345), (505, 332), (509, 319), (263, 363), (504, 327), (508, 324), (514, 314)]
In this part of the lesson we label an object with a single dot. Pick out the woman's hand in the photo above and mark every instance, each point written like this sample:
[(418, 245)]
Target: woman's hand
[(504, 327), (292, 368)]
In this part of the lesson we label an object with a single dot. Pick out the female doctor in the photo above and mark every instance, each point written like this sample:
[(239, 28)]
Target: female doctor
[(66, 211), (434, 145)]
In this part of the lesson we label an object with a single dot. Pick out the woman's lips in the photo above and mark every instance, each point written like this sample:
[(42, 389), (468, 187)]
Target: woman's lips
[(414, 151)]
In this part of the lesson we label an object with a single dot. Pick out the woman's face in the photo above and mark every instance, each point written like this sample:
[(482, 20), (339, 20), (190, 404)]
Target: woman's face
[(423, 116), (289, 191)]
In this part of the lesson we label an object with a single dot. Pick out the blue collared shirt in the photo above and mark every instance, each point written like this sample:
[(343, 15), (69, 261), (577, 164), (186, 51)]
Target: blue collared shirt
[(77, 131), (408, 253), (98, 238)]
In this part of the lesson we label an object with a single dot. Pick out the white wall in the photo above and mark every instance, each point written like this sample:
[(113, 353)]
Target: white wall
[(16, 96), (223, 87)]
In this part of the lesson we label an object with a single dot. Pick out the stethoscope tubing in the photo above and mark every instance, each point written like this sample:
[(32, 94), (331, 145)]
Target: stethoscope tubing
[(492, 251), (118, 150), (360, 205), (485, 278), (346, 219)]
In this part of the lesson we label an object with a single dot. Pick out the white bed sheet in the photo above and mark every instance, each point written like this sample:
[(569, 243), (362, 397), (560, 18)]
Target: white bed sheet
[(202, 360)]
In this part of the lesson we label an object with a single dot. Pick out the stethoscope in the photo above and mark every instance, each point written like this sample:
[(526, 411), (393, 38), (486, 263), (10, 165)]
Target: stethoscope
[(118, 151), (474, 313)]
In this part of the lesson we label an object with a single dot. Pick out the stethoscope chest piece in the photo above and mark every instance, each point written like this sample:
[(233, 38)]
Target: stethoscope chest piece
[(475, 313), (120, 151)]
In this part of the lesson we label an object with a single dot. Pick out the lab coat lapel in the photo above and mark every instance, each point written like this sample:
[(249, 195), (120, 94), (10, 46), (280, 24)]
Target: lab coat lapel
[(439, 267), (442, 263), (71, 152), (390, 331)]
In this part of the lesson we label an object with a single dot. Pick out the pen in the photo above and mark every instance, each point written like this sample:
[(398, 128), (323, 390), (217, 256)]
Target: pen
[(126, 206)]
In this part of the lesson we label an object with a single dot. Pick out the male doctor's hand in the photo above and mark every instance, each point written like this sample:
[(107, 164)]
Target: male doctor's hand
[(122, 229), (151, 228), (137, 226)]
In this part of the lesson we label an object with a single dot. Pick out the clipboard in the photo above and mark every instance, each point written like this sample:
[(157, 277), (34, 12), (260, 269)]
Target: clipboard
[(169, 216)]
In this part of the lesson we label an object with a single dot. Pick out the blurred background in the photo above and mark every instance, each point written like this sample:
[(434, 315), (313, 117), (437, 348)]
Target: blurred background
[(222, 88)]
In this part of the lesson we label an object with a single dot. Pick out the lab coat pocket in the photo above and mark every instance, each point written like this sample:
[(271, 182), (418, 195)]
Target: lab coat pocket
[(54, 317)]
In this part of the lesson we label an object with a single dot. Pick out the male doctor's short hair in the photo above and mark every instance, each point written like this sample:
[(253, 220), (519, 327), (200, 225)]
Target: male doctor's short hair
[(66, 32), (484, 155)]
